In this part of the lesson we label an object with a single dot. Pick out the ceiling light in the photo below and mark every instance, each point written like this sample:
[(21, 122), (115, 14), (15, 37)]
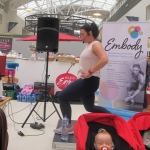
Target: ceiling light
[(97, 14), (28, 9)]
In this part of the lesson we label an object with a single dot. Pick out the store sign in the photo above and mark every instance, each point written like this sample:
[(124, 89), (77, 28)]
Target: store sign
[(5, 44), (64, 80)]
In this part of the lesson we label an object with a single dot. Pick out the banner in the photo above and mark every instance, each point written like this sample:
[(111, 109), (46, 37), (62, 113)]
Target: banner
[(63, 80), (5, 44), (11, 25), (122, 82)]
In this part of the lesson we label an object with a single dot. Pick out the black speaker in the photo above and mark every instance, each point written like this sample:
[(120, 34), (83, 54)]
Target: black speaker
[(47, 34)]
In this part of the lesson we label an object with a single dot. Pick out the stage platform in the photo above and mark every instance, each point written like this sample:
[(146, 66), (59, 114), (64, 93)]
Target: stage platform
[(59, 144)]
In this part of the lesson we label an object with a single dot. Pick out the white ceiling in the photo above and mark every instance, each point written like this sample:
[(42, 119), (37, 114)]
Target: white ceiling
[(81, 8)]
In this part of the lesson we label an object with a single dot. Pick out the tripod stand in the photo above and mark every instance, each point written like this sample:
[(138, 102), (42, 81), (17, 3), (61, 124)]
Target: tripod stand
[(47, 96)]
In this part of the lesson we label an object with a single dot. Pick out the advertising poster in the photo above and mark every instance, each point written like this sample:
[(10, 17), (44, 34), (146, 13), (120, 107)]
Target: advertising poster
[(5, 44), (63, 80), (122, 81)]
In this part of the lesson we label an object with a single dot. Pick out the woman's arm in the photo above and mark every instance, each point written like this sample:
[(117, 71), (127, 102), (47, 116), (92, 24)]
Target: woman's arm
[(98, 51)]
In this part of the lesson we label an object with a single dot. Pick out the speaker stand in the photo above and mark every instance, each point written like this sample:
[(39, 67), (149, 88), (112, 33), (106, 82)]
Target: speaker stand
[(47, 97)]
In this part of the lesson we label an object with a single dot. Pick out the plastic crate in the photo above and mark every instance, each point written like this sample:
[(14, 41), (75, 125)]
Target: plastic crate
[(10, 72), (125, 114), (10, 80), (10, 93), (12, 65)]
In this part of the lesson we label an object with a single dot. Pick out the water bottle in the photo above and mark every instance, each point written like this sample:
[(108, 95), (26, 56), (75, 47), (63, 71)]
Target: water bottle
[(20, 97), (64, 133), (33, 98), (29, 98), (23, 98)]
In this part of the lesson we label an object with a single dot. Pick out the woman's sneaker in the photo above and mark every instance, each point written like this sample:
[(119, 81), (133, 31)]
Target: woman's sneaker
[(58, 130)]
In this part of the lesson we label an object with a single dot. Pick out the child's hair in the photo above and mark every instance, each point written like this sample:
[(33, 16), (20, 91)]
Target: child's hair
[(101, 130)]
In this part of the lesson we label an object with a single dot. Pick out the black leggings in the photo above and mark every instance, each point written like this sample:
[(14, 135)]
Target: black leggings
[(84, 89)]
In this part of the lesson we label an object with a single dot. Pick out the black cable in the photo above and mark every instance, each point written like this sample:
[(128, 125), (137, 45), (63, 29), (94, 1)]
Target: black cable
[(36, 134), (38, 118), (12, 116), (32, 114), (19, 110), (44, 69), (22, 134), (22, 110)]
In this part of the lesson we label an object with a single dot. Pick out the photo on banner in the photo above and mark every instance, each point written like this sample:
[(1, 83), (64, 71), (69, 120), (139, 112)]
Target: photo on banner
[(122, 81)]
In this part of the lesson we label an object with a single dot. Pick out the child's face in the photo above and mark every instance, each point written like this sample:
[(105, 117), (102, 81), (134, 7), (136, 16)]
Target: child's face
[(103, 139)]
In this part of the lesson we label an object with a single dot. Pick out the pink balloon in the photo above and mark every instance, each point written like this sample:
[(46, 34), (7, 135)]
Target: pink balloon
[(137, 29), (109, 90)]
